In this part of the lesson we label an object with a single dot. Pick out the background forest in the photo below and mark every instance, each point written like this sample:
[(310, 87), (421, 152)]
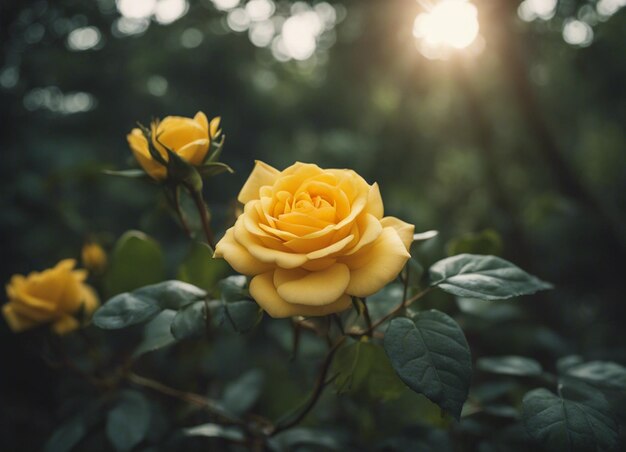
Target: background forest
[(513, 145)]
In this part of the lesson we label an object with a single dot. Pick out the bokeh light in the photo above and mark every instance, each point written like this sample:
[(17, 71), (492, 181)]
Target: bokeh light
[(577, 33), (83, 38), (449, 24)]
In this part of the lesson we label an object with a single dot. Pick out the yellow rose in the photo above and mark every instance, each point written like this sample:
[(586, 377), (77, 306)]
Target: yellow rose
[(52, 296), (188, 138), (94, 258), (312, 238)]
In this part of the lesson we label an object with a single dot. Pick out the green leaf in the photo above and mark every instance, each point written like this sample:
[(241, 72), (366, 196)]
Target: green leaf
[(233, 288), (510, 365), (363, 367), (130, 173), (565, 363), (136, 261), (484, 242), (241, 394), (215, 431), (431, 355), (603, 374), (127, 423), (157, 333), (577, 419), (200, 269), (190, 321), (242, 315), (130, 308), (214, 168), (124, 310), (484, 277), (67, 435), (171, 294)]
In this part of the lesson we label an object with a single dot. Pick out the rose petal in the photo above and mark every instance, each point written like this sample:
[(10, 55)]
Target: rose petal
[(376, 265), (195, 151), (236, 255), (214, 127), (312, 288), (263, 291), (201, 119), (264, 254), (262, 174), (404, 230), (65, 324), (15, 320), (139, 145), (375, 202)]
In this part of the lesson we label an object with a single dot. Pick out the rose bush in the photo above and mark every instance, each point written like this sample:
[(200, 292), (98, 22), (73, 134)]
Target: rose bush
[(312, 238), (55, 296), (189, 138)]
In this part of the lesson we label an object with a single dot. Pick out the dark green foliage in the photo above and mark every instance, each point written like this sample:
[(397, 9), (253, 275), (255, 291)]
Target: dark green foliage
[(484, 277), (430, 354)]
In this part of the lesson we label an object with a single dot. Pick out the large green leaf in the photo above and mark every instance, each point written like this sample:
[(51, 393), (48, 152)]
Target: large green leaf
[(362, 367), (136, 261), (484, 277), (510, 365), (128, 421), (200, 269), (130, 308), (172, 294), (124, 310), (577, 419), (190, 321), (157, 333), (604, 374), (242, 316), (431, 355)]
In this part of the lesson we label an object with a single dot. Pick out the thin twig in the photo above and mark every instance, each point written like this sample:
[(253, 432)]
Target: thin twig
[(368, 318), (320, 384), (405, 304), (189, 397)]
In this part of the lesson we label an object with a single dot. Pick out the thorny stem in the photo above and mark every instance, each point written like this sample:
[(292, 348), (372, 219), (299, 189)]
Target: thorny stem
[(179, 211), (202, 211), (320, 384)]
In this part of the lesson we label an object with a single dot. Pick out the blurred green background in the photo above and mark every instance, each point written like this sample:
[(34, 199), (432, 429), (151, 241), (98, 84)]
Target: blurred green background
[(520, 134)]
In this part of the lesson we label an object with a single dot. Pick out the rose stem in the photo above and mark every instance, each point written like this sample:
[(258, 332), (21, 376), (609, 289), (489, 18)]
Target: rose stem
[(368, 319), (320, 384), (197, 199), (175, 199)]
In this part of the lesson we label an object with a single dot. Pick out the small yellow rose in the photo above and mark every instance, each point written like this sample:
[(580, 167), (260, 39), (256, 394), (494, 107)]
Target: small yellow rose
[(189, 138), (313, 237), (94, 257), (53, 296)]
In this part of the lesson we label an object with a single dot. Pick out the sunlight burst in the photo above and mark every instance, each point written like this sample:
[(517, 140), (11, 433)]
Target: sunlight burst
[(449, 24)]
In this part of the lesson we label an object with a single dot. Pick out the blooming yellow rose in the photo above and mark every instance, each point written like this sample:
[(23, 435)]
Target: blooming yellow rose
[(313, 237), (94, 257), (52, 296), (188, 138)]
